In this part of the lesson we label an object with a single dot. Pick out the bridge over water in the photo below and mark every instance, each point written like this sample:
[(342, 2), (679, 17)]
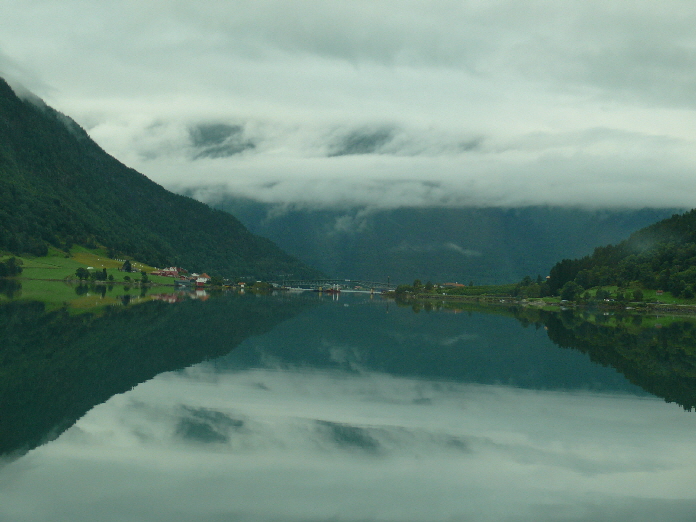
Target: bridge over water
[(343, 284)]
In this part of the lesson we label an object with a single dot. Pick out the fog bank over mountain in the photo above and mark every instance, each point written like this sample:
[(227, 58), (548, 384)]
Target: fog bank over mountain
[(381, 104), (483, 245)]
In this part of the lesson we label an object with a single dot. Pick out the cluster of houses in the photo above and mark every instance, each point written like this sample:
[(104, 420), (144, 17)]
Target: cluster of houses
[(172, 271), (182, 277), (452, 285)]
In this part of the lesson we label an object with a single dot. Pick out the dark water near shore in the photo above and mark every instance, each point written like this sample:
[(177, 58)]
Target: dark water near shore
[(301, 408)]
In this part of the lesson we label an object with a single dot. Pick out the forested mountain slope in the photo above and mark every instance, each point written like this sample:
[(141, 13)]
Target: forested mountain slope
[(58, 187), (660, 256), (488, 245)]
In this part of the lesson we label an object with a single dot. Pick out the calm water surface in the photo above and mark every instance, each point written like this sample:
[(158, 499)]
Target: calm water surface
[(308, 409)]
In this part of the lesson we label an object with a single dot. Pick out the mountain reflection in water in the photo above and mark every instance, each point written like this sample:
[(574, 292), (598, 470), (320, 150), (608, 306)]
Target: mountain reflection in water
[(55, 365), (361, 410)]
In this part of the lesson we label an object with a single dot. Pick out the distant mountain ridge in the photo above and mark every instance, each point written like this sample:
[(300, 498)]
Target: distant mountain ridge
[(58, 187), (480, 245)]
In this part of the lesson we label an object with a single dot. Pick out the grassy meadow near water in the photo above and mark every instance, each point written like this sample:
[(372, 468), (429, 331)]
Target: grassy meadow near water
[(52, 279)]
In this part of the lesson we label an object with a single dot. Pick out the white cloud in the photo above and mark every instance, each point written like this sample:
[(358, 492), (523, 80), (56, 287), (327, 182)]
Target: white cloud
[(447, 103)]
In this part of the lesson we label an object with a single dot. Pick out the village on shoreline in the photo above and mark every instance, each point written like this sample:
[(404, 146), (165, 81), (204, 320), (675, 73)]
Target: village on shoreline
[(84, 268)]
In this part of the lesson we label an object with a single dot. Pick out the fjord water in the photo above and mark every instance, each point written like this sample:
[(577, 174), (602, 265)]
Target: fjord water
[(301, 408)]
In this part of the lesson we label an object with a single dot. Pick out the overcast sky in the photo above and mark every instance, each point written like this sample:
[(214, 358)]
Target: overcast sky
[(377, 102)]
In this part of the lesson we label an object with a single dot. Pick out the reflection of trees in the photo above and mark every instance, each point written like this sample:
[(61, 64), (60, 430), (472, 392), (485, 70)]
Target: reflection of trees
[(661, 360), (417, 305), (55, 366), (85, 288), (10, 288)]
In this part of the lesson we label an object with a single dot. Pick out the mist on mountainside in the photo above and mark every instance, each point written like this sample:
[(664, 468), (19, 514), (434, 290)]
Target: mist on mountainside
[(58, 189), (480, 245)]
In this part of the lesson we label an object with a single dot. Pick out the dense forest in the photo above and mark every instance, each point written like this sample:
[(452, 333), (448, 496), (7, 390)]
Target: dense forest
[(59, 188), (661, 256)]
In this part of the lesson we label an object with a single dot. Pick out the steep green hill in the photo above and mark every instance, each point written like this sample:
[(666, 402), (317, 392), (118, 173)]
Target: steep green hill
[(58, 187), (661, 256)]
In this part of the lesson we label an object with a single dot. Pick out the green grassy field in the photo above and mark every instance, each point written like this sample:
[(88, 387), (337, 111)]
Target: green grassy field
[(52, 279), (57, 266), (494, 290)]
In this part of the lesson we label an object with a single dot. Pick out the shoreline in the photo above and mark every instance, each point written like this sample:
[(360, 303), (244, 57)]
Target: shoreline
[(509, 301), (672, 309)]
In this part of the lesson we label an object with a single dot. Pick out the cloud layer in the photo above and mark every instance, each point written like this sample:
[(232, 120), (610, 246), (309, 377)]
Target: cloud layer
[(378, 103)]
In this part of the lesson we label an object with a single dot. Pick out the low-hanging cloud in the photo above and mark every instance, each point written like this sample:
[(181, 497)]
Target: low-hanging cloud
[(434, 248), (218, 140), (467, 252), (362, 142), (378, 104)]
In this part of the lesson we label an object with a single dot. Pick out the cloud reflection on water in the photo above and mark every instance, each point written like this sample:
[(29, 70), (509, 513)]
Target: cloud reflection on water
[(311, 445)]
